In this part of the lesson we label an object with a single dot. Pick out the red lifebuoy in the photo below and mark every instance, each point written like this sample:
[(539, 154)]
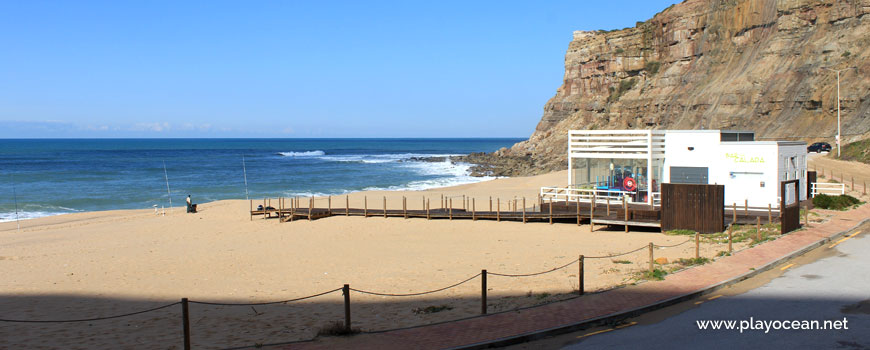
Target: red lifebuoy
[(628, 184)]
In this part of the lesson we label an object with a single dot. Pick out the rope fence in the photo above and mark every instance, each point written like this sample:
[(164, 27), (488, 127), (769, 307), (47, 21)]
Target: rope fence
[(415, 294), (346, 290)]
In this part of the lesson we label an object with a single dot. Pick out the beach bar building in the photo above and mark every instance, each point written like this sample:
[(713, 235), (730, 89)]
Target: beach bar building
[(612, 164)]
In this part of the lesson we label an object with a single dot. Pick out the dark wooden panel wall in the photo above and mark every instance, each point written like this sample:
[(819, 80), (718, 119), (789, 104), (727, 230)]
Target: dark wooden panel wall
[(811, 177), (693, 207), (790, 214)]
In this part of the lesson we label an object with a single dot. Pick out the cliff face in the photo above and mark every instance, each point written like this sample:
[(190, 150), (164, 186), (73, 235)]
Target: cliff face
[(713, 64)]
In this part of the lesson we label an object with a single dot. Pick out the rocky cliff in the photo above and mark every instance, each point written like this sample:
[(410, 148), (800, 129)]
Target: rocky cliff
[(713, 64)]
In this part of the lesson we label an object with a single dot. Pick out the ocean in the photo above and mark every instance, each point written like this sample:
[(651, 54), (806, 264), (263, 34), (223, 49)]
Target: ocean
[(45, 177)]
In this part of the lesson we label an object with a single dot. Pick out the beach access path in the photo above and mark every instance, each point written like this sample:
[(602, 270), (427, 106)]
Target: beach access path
[(509, 327)]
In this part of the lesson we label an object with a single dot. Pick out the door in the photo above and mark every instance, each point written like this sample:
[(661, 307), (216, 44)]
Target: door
[(689, 175)]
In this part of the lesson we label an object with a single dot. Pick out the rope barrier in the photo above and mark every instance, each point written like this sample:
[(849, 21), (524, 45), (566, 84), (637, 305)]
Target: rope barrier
[(91, 319), (533, 274), (671, 246), (615, 255), (415, 294), (264, 303)]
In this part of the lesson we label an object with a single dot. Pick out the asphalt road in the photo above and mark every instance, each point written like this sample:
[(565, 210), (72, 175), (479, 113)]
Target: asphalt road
[(824, 284)]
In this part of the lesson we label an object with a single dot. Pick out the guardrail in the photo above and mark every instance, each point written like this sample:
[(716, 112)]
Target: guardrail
[(828, 188)]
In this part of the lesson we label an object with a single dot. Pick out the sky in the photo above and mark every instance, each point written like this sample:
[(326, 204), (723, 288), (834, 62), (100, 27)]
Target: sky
[(118, 69)]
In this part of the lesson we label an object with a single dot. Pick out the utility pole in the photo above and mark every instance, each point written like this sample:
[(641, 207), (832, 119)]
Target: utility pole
[(838, 104)]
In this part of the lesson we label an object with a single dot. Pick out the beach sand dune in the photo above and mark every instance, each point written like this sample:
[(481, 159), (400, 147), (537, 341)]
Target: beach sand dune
[(96, 264)]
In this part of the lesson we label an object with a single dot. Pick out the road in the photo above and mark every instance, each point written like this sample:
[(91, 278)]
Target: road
[(828, 283)]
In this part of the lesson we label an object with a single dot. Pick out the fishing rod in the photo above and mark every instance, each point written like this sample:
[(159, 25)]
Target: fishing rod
[(245, 171), (166, 175), (15, 199)]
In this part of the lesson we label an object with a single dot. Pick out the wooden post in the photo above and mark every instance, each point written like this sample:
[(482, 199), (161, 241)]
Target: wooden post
[(463, 203), (769, 213), (483, 292), (310, 204), (580, 277), (734, 213), (490, 204), (551, 210), (524, 210), (807, 216), (608, 206), (730, 238), (347, 205), (651, 259), (592, 213), (540, 202), (625, 208), (450, 209), (442, 201), (865, 186), (428, 215), (758, 228), (346, 291), (252, 209), (473, 210), (697, 245), (498, 210), (578, 210), (185, 323), (405, 207), (746, 208), (264, 209), (385, 207), (365, 206)]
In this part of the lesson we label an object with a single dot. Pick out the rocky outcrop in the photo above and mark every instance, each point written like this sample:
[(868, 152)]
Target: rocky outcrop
[(712, 64)]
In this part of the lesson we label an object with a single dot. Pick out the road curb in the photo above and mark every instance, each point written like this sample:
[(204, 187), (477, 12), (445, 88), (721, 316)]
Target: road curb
[(618, 316)]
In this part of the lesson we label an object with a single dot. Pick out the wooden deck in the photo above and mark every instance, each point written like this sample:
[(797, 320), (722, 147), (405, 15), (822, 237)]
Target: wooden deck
[(556, 212), (639, 215)]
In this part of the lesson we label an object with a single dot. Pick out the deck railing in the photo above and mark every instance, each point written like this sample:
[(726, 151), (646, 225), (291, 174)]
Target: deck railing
[(569, 194)]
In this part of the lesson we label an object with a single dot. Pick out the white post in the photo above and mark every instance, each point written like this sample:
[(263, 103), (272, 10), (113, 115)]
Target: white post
[(649, 157), (838, 114), (570, 165)]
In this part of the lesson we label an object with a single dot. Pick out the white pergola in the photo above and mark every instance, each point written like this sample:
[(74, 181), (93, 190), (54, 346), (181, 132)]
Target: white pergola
[(646, 145)]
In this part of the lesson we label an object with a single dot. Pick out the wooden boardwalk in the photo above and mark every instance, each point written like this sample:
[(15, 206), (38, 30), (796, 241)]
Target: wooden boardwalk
[(605, 214), (551, 212)]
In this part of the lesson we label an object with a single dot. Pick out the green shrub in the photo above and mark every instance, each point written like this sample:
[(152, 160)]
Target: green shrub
[(680, 232), (652, 67), (624, 85), (841, 202), (657, 274), (693, 261)]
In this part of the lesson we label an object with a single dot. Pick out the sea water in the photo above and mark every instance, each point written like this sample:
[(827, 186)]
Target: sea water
[(44, 177)]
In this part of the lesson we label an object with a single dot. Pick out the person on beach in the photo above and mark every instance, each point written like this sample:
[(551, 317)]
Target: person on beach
[(189, 208)]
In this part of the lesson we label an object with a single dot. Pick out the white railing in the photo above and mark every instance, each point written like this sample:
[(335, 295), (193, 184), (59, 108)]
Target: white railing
[(828, 188), (568, 194), (656, 198)]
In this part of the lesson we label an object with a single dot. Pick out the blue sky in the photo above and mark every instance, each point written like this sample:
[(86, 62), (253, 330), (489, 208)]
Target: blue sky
[(288, 69)]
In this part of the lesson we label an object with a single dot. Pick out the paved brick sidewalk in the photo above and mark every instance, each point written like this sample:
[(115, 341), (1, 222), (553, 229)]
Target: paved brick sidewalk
[(509, 324)]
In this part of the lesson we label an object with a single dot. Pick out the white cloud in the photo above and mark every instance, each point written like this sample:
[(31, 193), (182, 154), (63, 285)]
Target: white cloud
[(156, 127)]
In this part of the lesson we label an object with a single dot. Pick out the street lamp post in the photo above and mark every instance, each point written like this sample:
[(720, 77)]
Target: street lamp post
[(838, 104)]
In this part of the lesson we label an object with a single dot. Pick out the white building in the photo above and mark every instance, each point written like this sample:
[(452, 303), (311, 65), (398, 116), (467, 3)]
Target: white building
[(614, 163)]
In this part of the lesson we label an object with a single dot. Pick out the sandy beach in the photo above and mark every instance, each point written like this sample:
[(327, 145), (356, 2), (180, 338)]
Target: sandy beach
[(97, 264)]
